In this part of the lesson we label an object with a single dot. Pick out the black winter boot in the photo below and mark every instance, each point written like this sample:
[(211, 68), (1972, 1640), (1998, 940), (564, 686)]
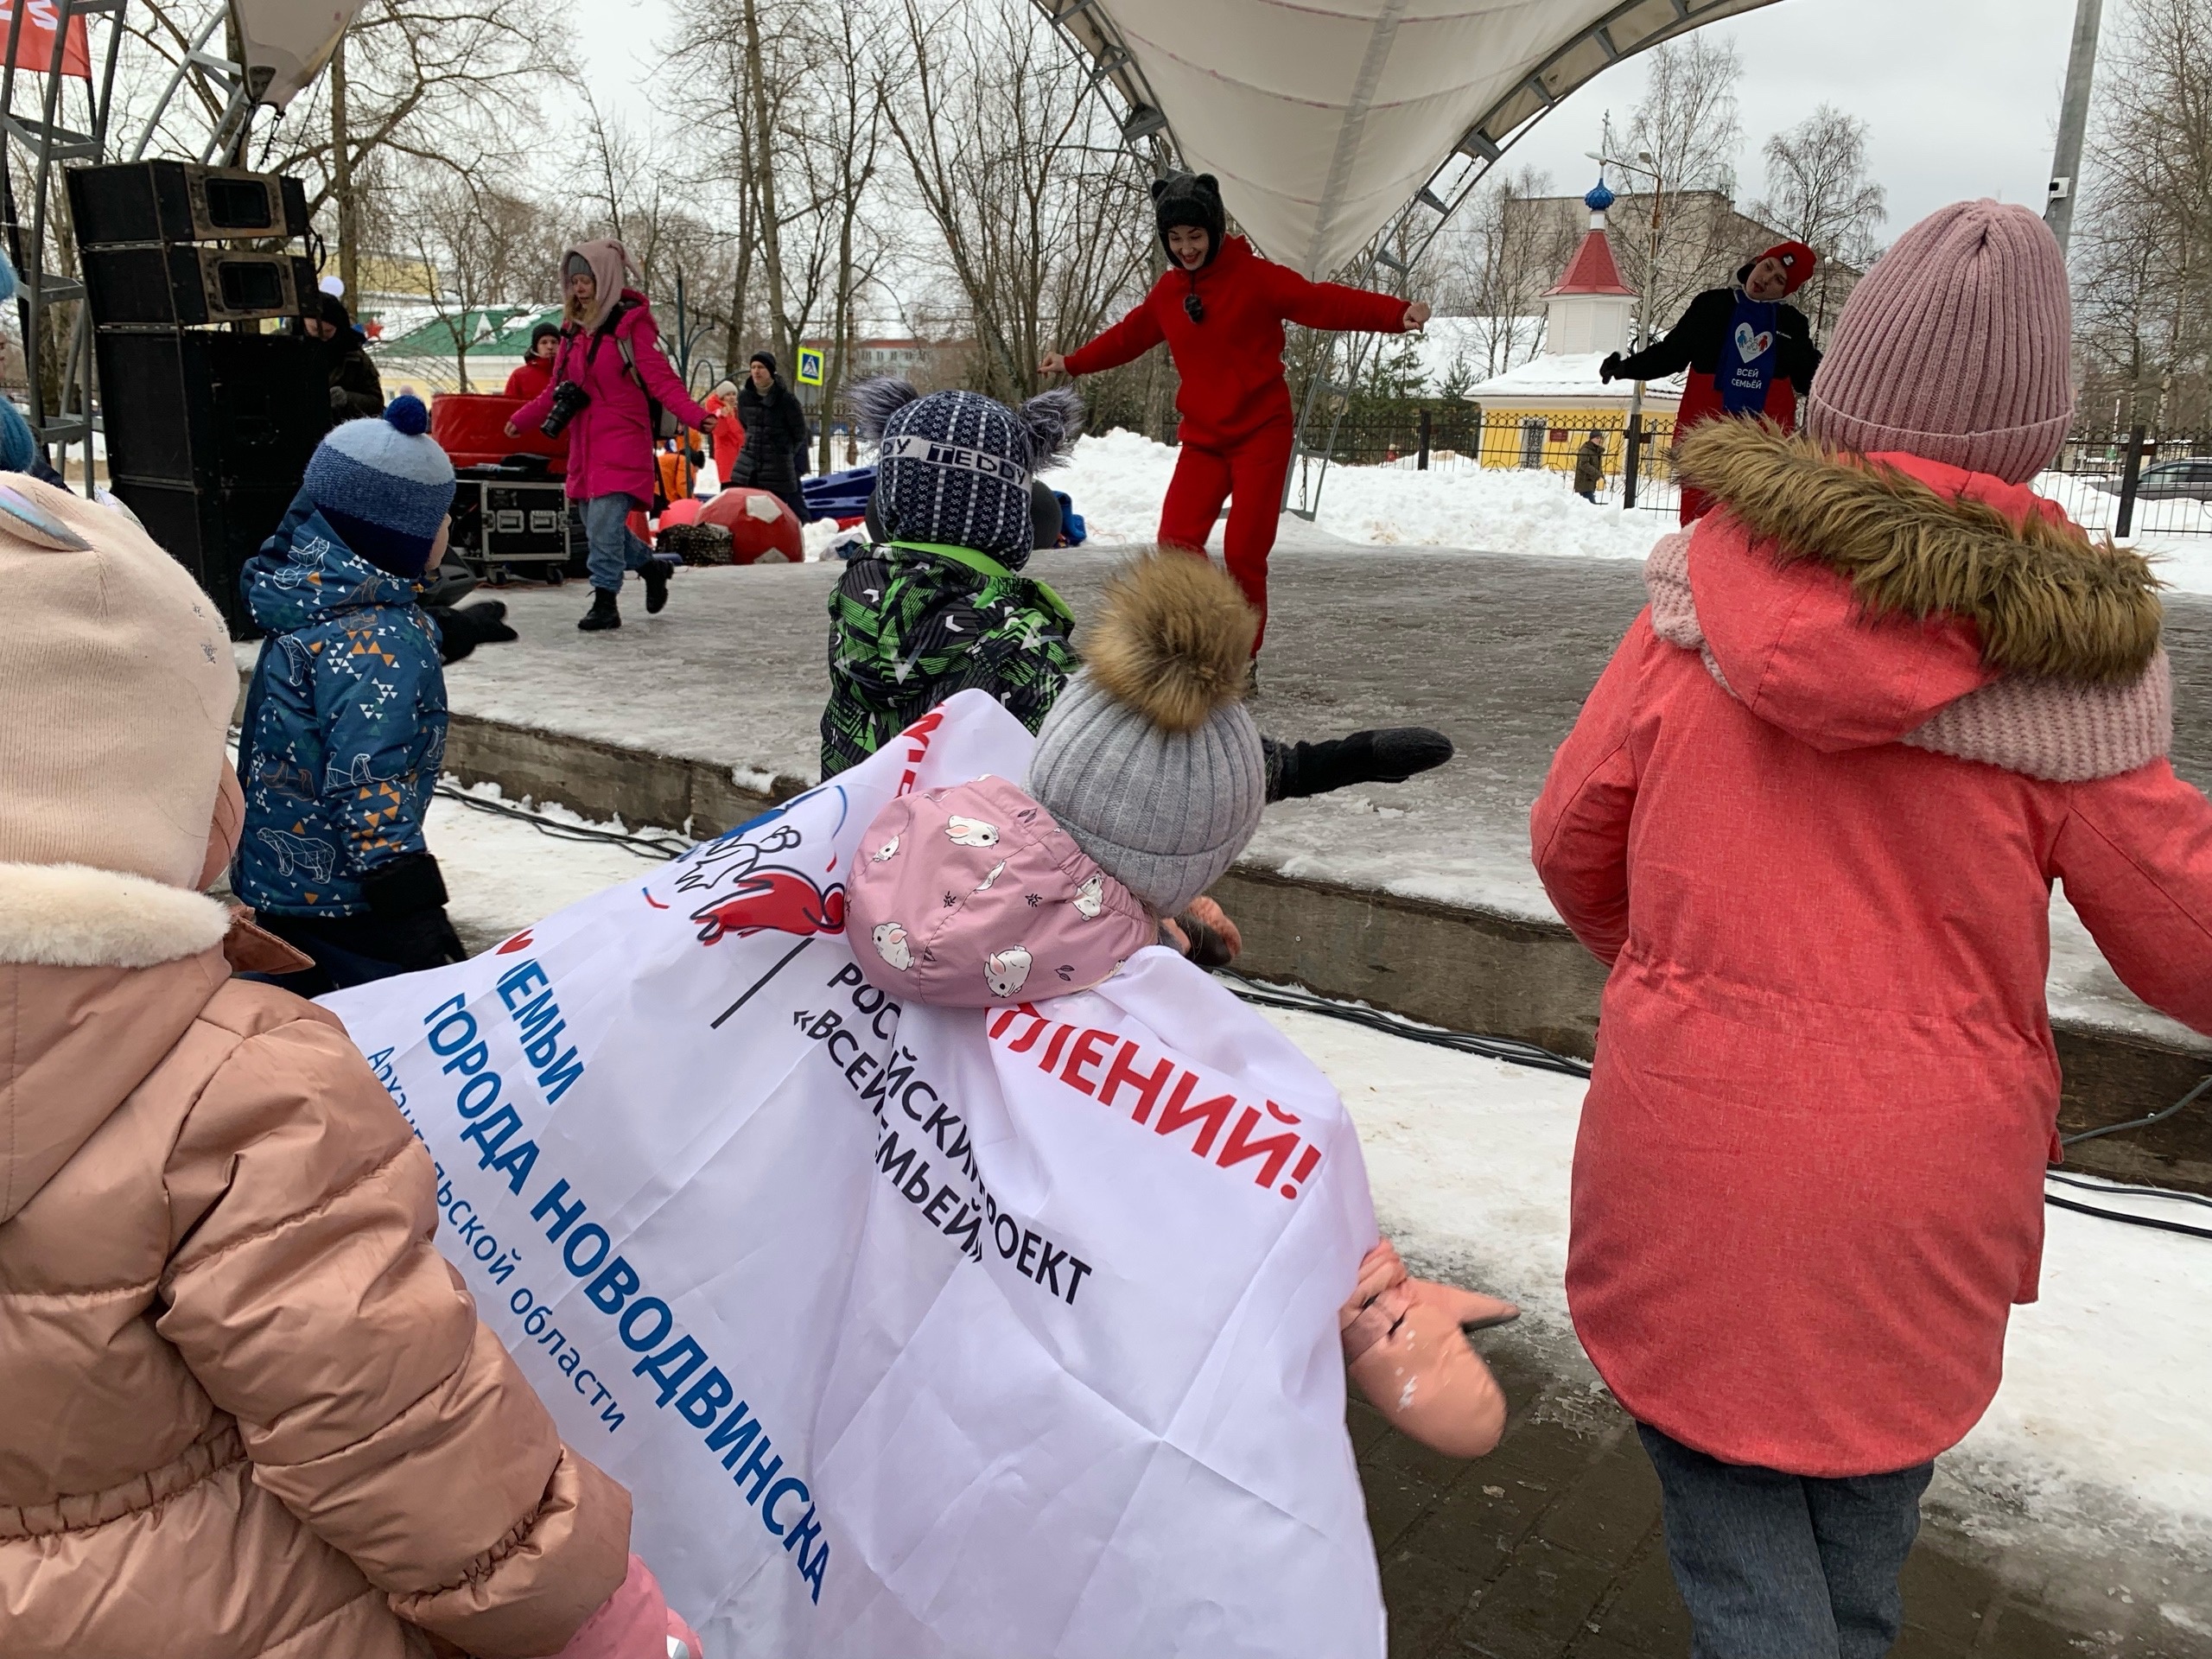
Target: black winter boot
[(656, 576), (1388, 756), (605, 613)]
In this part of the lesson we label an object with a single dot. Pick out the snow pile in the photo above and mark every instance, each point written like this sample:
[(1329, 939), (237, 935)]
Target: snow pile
[(1118, 480)]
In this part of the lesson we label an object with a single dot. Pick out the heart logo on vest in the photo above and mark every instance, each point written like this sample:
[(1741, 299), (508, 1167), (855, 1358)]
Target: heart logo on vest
[(1752, 346)]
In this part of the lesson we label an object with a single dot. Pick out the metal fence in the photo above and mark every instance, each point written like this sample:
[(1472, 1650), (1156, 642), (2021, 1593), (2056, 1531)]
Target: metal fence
[(2171, 494), (2134, 484), (1466, 440)]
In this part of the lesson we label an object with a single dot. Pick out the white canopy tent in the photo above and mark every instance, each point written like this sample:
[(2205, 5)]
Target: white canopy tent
[(286, 42), (1323, 119)]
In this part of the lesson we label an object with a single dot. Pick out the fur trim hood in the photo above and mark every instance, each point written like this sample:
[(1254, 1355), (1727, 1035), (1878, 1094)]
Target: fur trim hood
[(1918, 539), (1856, 601), (70, 916)]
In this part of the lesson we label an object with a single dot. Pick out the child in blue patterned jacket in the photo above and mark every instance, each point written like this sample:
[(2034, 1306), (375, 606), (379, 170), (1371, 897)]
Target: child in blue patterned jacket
[(346, 719)]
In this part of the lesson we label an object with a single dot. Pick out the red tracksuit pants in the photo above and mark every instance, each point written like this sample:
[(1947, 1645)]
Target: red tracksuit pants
[(1249, 477)]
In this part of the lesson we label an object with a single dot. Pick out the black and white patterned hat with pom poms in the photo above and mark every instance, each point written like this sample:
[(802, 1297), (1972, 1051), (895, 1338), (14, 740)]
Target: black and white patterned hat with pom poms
[(953, 468)]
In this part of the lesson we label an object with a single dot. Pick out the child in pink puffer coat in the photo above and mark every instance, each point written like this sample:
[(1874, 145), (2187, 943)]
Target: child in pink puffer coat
[(250, 1409)]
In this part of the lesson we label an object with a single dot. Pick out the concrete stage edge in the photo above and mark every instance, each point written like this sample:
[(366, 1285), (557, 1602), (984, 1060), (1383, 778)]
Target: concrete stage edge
[(1462, 966)]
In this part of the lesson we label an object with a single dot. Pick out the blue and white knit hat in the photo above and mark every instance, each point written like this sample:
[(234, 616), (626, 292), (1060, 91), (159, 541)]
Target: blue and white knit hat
[(385, 485), (954, 467)]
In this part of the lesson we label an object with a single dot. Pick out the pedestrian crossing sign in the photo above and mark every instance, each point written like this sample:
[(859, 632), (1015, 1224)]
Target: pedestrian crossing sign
[(810, 366)]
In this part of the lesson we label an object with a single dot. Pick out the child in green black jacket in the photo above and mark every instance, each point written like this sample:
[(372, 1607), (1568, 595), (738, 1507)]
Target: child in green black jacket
[(939, 602)]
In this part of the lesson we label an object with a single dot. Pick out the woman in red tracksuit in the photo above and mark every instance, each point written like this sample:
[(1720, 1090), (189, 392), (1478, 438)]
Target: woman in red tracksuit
[(1221, 308)]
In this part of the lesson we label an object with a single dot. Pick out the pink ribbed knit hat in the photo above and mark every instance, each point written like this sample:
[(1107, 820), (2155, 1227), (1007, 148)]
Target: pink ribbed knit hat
[(1955, 347)]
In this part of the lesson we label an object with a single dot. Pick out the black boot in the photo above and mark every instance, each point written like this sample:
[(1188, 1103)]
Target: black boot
[(656, 576), (604, 612), (1388, 756)]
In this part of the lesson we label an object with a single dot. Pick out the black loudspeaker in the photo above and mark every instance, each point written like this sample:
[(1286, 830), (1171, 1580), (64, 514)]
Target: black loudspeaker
[(171, 285), (137, 202), (208, 437)]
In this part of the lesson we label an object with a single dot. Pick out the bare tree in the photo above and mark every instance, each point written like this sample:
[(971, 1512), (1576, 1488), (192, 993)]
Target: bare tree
[(452, 85), (1495, 263), (751, 77), (2143, 247), (1819, 192), (1684, 135), (841, 149), (1043, 216)]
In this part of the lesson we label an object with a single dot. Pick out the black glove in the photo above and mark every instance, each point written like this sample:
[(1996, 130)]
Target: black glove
[(461, 628), (407, 913), (1388, 756), (1207, 948), (1609, 370)]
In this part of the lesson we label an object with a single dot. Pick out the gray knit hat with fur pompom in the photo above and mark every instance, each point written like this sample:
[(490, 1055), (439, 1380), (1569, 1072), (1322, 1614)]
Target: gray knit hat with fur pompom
[(1149, 759)]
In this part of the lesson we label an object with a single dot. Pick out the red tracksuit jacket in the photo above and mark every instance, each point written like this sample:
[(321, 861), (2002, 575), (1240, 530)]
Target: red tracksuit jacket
[(1231, 363)]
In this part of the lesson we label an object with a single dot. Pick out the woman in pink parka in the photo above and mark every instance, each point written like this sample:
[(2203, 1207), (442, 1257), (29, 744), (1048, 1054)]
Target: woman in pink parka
[(610, 349), (1882, 697)]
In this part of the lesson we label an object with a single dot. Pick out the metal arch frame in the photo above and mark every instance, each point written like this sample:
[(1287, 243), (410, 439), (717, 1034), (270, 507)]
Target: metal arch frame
[(1145, 130), (227, 78), (53, 146), (1628, 29), (1514, 115)]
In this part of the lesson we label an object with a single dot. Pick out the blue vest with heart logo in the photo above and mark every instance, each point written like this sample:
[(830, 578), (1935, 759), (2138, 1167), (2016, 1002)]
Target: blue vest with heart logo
[(1746, 365)]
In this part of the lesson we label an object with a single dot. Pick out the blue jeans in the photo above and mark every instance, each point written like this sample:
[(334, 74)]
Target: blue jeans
[(614, 547), (1776, 1566)]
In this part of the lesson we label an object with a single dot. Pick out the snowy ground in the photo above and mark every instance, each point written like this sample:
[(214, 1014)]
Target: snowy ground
[(2099, 1442), (1118, 478)]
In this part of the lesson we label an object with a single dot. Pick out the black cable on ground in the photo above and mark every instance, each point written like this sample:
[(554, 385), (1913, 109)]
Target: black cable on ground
[(2117, 1188), (1511, 1050), (2137, 1122), (1516, 1052), (2123, 1189), (2159, 1222), (660, 848)]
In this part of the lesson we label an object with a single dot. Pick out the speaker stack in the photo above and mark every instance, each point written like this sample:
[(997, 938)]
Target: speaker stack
[(209, 422)]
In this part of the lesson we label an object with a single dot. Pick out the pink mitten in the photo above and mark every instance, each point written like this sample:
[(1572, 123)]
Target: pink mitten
[(635, 1621), (1404, 1342)]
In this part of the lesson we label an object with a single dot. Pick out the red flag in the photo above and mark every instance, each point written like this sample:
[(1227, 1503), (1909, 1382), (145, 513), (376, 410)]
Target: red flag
[(35, 44)]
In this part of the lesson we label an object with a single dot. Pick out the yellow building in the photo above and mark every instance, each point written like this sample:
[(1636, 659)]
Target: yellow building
[(1539, 414)]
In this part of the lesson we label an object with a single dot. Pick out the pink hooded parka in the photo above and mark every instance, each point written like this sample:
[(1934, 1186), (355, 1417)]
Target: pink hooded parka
[(1810, 817), (611, 439)]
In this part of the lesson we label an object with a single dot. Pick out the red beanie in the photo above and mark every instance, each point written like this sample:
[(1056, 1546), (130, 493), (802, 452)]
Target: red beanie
[(1796, 258), (1955, 347)]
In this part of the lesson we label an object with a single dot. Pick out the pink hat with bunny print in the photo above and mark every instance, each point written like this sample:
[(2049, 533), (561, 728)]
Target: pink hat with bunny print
[(971, 896)]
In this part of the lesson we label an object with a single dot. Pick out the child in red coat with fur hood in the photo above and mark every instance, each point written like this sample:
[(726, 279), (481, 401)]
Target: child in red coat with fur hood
[(1884, 697)]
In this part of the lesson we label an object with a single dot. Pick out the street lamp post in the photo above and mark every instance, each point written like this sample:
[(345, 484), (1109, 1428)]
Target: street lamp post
[(2073, 122), (1649, 167)]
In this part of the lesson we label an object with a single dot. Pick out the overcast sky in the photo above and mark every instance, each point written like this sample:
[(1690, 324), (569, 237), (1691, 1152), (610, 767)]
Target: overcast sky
[(1962, 95)]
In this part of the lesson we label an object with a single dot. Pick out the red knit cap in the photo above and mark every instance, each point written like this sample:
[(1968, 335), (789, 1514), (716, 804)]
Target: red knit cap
[(1955, 347), (1796, 259)]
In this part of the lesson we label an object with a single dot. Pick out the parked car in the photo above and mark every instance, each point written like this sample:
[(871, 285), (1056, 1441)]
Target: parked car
[(2164, 481)]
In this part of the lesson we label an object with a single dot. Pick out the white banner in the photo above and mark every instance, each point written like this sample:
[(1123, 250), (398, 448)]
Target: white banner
[(919, 1331)]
